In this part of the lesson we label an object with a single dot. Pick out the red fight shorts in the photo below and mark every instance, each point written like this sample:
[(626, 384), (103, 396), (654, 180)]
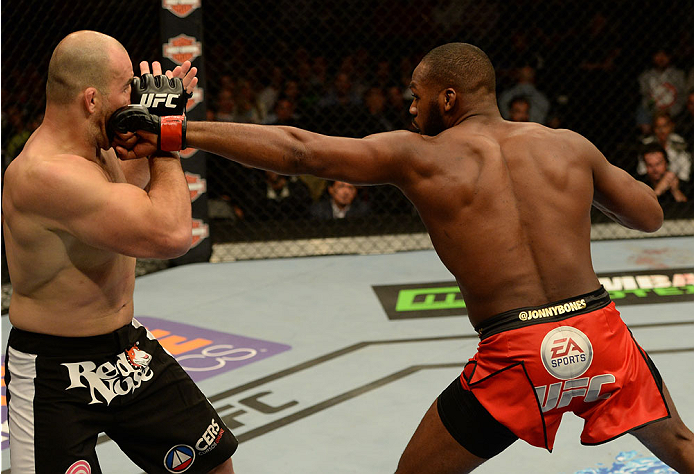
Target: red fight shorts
[(534, 364)]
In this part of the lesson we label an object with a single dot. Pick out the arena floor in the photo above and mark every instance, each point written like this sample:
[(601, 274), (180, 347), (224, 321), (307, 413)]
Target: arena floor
[(317, 370)]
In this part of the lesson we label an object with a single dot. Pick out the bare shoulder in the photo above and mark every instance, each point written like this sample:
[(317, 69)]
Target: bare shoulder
[(36, 180), (557, 142), (397, 142), (535, 132)]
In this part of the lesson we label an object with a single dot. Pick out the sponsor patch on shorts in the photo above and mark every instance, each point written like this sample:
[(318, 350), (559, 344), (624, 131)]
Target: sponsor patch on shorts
[(79, 467), (566, 352), (179, 458)]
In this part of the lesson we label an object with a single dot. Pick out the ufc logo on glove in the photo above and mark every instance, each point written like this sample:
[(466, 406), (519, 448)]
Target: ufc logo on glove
[(158, 106), (161, 95), (154, 100)]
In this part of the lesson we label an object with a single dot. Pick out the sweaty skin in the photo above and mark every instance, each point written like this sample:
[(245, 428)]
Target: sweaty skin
[(75, 217), (507, 206)]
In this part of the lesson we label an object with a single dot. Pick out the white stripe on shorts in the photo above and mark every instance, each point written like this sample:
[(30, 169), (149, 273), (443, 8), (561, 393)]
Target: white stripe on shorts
[(20, 410)]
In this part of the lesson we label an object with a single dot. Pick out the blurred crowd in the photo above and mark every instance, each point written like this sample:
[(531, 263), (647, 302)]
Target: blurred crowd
[(635, 104)]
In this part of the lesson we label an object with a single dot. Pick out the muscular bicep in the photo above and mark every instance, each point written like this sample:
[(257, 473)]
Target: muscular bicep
[(118, 217), (376, 159), (623, 198)]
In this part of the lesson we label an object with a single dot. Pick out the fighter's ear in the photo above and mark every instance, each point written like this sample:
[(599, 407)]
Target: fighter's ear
[(90, 98), (449, 98)]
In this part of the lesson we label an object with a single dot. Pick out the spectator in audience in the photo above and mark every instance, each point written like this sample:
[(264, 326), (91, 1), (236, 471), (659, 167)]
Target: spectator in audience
[(397, 109), (248, 109), (525, 87), (341, 93), (278, 197), (319, 80), (662, 89), (283, 113), (520, 52), (685, 122), (598, 51), (341, 202), (269, 94), (383, 76), (519, 110), (226, 105), (664, 182), (340, 111), (291, 90), (348, 68), (673, 144), (376, 119)]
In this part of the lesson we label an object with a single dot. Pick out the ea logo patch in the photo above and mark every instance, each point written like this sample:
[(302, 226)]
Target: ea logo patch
[(566, 352), (179, 458)]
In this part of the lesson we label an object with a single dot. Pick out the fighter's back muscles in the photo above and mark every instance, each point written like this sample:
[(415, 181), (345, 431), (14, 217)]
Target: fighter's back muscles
[(507, 205)]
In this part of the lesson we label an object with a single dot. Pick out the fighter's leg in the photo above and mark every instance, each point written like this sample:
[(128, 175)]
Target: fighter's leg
[(456, 435), (669, 439), (432, 450)]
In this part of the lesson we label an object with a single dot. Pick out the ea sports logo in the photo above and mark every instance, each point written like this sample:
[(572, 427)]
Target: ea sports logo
[(566, 352)]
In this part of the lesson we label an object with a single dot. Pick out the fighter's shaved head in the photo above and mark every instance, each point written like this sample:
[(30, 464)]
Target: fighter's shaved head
[(462, 66), (79, 61)]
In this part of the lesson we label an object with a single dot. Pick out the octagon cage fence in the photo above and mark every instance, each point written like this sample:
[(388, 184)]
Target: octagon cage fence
[(608, 70)]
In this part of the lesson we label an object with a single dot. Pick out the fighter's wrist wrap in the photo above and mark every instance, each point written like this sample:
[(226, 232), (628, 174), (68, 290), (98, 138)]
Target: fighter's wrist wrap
[(173, 133), (170, 130)]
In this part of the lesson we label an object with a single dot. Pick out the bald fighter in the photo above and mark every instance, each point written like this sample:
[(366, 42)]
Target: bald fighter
[(507, 206), (75, 218)]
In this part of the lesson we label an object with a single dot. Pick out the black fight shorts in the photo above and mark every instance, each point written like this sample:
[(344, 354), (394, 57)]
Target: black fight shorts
[(64, 391), (470, 423)]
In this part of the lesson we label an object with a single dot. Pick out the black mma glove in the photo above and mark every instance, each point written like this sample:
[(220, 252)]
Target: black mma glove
[(162, 96), (170, 130)]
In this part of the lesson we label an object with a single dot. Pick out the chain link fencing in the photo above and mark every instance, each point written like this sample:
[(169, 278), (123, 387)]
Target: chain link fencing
[(343, 68)]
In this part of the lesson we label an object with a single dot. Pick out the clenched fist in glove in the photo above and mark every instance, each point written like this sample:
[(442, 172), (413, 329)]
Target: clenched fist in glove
[(170, 130), (158, 107)]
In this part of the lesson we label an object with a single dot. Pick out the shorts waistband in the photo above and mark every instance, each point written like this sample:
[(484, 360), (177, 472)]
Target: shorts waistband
[(557, 311), (49, 345)]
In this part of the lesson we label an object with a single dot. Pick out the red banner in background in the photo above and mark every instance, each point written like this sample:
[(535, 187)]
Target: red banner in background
[(181, 33)]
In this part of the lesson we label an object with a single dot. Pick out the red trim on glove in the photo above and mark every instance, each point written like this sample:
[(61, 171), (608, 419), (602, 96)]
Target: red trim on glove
[(172, 132)]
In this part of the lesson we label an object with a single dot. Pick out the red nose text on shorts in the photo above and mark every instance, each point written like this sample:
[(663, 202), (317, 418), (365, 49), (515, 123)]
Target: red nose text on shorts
[(108, 380)]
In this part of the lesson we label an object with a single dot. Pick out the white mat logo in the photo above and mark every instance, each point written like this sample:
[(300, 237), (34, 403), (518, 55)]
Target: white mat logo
[(566, 352), (109, 380)]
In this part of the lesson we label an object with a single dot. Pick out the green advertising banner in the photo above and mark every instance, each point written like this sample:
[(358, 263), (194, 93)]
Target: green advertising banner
[(426, 300)]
